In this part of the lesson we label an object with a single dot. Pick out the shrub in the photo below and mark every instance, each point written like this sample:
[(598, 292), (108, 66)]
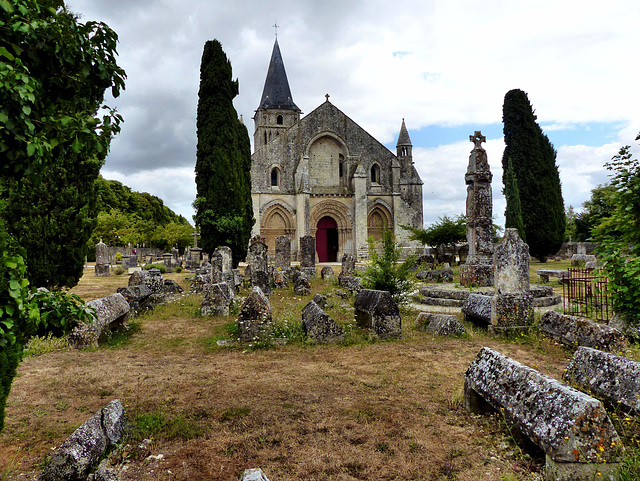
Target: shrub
[(60, 312), (118, 270)]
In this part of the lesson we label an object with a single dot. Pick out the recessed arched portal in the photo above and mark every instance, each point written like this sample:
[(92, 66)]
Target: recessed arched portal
[(327, 244)]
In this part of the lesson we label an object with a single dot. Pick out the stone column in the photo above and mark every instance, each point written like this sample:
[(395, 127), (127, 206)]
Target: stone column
[(512, 304), (478, 270), (360, 212)]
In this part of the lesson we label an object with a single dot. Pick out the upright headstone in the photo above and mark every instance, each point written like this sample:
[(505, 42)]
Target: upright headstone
[(512, 305), (216, 266), (168, 261), (227, 259), (254, 320), (102, 259), (308, 255), (175, 254), (478, 270), (283, 253), (347, 277), (257, 256)]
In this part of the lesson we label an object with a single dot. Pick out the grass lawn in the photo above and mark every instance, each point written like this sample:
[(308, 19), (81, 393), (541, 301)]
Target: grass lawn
[(363, 409)]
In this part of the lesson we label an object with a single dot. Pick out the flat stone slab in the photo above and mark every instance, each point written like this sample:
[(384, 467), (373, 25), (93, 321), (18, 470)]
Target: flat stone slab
[(579, 331), (544, 274), (614, 379), (440, 324), (254, 320), (449, 295), (571, 427)]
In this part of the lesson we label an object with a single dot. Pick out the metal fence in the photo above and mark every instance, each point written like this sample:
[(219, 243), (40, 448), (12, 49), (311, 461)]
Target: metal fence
[(585, 293)]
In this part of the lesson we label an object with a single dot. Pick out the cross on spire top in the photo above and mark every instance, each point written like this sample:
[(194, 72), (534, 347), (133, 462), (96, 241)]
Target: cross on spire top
[(326, 96), (477, 138), (275, 26)]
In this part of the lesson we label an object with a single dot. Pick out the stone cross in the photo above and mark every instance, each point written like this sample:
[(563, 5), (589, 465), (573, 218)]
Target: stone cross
[(477, 138), (195, 238), (326, 96), (275, 26)]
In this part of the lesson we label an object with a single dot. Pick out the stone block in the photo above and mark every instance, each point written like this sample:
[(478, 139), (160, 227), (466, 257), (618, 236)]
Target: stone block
[(172, 287), (545, 274), (253, 474), (318, 326), (103, 270), (102, 253), (511, 310), (308, 251), (217, 299), (301, 284), (348, 265), (478, 275), (137, 297), (613, 379), (572, 428), (440, 324), (511, 264), (376, 310), (81, 451), (327, 272), (580, 259), (283, 252), (320, 300), (436, 275), (109, 312), (578, 331), (477, 309), (254, 320), (261, 279)]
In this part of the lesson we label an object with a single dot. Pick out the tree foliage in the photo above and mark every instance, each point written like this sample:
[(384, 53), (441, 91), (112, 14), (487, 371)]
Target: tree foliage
[(54, 71), (446, 232), (618, 235), (385, 272), (223, 160), (533, 160), (513, 211)]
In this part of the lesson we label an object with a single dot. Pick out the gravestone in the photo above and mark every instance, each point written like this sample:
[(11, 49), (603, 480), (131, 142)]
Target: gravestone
[(308, 255), (216, 299), (130, 261), (254, 320), (283, 253), (168, 261), (477, 309), (572, 428), (512, 304), (195, 258), (440, 324), (327, 272), (175, 254), (257, 256), (347, 277), (579, 331), (376, 310), (478, 269), (226, 256), (102, 259), (319, 326), (216, 266)]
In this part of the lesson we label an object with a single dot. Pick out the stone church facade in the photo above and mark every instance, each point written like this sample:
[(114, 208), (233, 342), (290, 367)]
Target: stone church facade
[(323, 175)]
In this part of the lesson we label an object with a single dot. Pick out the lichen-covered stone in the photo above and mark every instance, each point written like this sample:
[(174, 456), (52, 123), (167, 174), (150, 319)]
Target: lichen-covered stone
[(511, 264), (572, 428), (81, 451), (440, 324), (254, 320), (253, 474), (477, 309), (103, 270), (511, 310), (308, 251), (217, 299), (348, 265), (318, 326), (478, 275), (436, 275), (579, 331), (261, 279), (109, 312), (172, 287), (614, 379), (580, 259), (320, 300), (138, 298), (301, 284), (376, 310), (257, 256), (327, 272), (280, 278), (283, 253)]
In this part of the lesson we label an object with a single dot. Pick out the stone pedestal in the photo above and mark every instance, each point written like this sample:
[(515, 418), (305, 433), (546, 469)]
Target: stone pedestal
[(103, 270)]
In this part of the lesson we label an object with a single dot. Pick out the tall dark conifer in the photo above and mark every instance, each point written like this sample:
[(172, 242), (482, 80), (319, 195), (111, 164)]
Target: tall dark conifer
[(223, 160), (533, 161), (513, 212)]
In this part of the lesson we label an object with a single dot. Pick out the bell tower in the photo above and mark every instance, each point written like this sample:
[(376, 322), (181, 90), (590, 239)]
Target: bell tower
[(277, 111)]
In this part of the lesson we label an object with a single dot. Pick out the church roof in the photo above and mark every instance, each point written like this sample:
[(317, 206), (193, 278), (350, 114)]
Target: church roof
[(276, 93), (403, 137)]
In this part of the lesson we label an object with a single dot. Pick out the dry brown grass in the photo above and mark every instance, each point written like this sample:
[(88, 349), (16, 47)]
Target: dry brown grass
[(370, 410)]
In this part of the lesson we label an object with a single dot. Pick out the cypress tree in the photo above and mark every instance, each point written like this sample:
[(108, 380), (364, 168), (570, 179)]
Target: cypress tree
[(513, 211), (533, 160), (223, 159)]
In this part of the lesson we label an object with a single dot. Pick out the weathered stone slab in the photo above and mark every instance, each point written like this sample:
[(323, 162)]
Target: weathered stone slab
[(172, 287), (477, 309), (109, 312), (261, 279), (137, 297), (572, 428), (440, 324), (257, 256), (283, 253), (320, 300), (319, 326), (377, 311), (308, 251), (580, 259), (81, 451), (511, 264), (614, 379), (436, 275), (327, 272), (348, 265), (103, 270), (478, 275), (217, 299), (511, 310), (301, 284), (578, 331), (254, 320)]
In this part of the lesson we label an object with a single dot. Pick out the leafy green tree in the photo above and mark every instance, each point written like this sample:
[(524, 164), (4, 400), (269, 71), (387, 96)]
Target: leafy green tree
[(446, 232), (54, 71), (618, 235), (513, 211), (595, 210), (533, 160), (385, 272), (223, 159)]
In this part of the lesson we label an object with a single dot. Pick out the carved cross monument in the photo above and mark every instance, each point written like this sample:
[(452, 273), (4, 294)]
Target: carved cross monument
[(478, 270)]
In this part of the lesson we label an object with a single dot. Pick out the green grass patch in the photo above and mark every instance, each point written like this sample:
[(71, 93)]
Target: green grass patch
[(159, 425), (234, 413), (122, 337), (38, 345)]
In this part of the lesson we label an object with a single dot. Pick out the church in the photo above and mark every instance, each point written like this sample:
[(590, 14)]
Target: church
[(323, 175)]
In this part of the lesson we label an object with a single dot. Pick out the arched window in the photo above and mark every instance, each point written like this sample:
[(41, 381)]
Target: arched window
[(279, 120), (265, 137), (375, 174), (341, 165), (275, 177)]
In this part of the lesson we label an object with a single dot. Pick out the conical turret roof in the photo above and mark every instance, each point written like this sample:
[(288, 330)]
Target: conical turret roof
[(276, 93), (403, 137)]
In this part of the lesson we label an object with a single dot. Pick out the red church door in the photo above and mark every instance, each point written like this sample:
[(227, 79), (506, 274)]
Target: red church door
[(327, 240)]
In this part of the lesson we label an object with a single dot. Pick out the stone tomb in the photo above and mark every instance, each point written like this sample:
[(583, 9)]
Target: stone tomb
[(579, 331), (376, 310), (512, 304), (283, 253), (615, 379), (572, 428)]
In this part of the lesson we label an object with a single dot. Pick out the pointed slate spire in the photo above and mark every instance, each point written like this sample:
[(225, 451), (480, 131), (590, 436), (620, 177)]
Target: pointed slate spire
[(403, 137), (276, 93)]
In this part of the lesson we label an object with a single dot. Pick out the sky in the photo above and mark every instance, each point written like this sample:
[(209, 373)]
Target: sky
[(442, 65)]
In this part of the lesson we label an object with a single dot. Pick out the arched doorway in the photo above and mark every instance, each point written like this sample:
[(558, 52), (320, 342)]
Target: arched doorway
[(327, 240)]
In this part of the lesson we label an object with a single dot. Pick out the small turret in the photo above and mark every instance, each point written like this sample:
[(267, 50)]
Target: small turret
[(403, 147)]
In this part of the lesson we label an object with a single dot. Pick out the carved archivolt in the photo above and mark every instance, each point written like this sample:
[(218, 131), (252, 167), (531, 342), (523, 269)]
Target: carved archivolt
[(378, 218), (334, 209), (265, 208)]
